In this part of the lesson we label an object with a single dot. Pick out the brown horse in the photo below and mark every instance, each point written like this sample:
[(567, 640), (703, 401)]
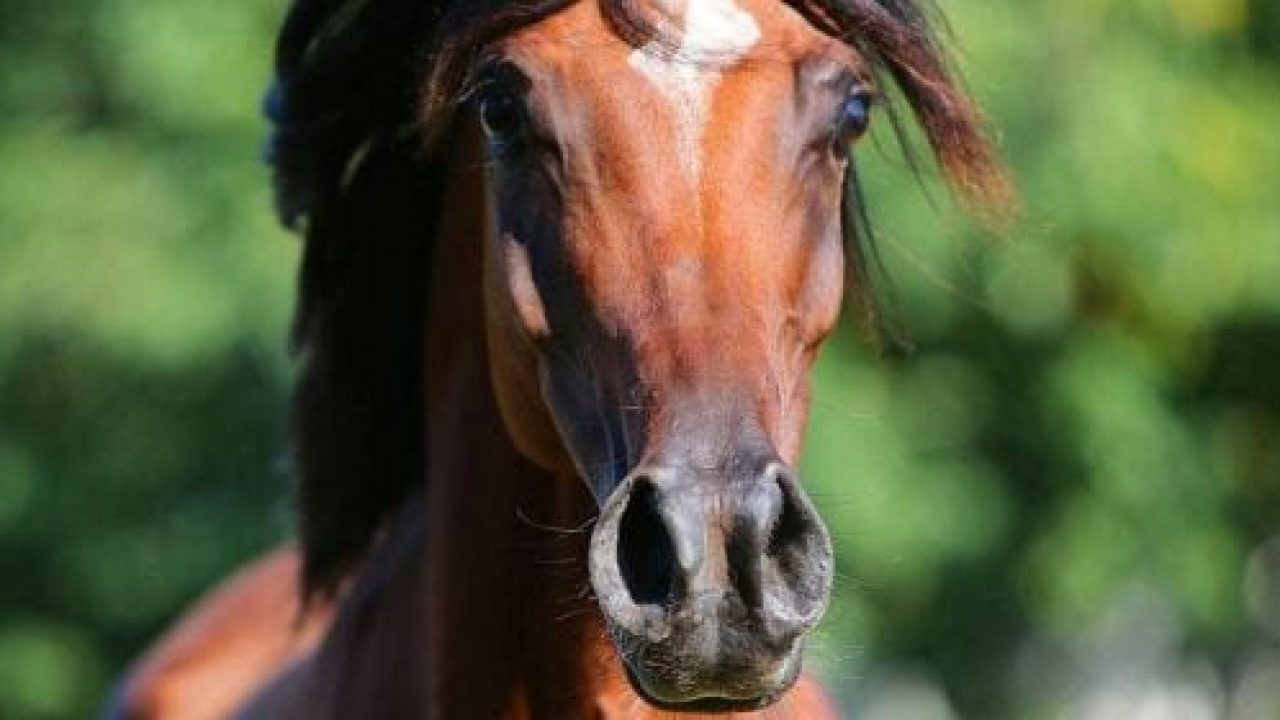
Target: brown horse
[(568, 266)]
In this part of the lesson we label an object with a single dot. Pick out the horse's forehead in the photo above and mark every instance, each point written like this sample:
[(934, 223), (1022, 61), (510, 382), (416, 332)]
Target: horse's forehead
[(714, 32), (680, 73), (709, 34)]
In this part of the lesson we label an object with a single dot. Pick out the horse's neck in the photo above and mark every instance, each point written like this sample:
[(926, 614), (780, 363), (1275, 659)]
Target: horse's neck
[(474, 603), (508, 615)]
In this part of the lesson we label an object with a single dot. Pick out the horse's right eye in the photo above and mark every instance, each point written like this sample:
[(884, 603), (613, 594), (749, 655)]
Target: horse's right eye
[(854, 119), (502, 117)]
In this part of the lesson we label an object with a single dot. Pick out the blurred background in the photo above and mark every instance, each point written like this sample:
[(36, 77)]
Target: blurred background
[(1064, 502)]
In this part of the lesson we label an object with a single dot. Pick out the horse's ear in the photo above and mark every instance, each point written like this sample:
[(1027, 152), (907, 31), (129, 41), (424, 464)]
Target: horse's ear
[(352, 180)]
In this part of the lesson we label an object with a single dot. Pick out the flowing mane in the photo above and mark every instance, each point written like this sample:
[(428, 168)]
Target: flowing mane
[(362, 88)]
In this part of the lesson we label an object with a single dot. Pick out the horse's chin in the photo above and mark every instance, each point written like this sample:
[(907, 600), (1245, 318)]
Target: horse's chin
[(707, 700)]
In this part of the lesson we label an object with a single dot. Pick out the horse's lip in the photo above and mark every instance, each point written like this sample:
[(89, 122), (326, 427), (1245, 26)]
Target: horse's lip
[(706, 700), (711, 705)]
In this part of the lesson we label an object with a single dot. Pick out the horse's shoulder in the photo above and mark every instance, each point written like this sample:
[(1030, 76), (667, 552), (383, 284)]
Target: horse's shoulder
[(230, 643)]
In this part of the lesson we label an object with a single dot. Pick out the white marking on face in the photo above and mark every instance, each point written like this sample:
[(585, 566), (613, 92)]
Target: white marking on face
[(716, 34)]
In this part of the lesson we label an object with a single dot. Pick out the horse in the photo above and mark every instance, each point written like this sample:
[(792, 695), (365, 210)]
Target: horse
[(567, 267)]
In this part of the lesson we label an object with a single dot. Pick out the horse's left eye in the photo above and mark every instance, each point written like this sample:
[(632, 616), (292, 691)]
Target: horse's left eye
[(855, 118), (501, 116)]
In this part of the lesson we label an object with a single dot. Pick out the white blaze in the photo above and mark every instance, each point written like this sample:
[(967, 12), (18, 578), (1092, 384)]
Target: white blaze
[(716, 34)]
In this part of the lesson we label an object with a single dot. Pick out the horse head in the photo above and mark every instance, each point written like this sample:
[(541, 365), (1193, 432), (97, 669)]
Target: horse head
[(665, 258)]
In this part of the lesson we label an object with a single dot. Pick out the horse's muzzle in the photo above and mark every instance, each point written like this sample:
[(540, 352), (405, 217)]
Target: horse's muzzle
[(708, 583)]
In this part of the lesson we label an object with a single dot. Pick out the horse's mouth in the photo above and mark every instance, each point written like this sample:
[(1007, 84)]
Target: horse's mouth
[(708, 700)]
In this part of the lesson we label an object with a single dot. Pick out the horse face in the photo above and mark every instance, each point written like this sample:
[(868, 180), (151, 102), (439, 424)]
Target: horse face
[(664, 260)]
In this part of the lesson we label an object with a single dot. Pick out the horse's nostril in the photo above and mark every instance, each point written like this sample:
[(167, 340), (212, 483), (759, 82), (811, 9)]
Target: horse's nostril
[(790, 528), (646, 554), (771, 540), (797, 557), (711, 569)]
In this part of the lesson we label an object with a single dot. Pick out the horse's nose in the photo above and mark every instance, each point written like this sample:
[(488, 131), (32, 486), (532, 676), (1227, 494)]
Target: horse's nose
[(720, 575)]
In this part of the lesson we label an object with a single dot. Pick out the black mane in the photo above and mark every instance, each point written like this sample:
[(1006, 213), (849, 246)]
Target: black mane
[(361, 87)]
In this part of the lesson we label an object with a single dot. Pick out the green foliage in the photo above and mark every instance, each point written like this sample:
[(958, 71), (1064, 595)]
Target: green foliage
[(144, 294), (1091, 414), (1072, 474)]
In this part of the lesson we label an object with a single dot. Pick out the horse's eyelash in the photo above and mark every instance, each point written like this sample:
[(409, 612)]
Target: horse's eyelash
[(483, 75)]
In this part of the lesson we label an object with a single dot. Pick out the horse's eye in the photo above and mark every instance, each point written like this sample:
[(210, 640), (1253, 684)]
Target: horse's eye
[(501, 116), (855, 118)]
